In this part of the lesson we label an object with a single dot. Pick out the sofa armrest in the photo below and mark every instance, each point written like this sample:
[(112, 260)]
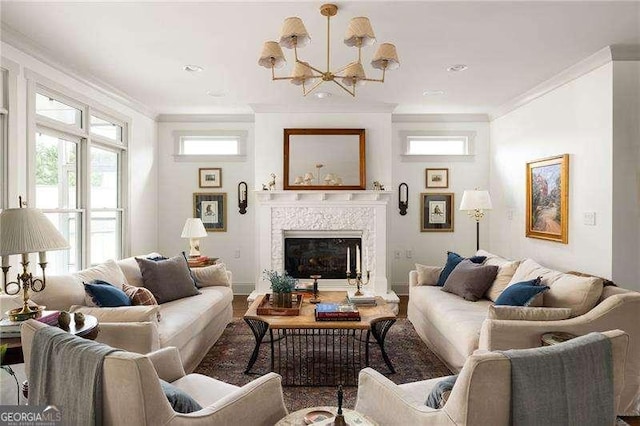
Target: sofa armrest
[(413, 278), (387, 404), (167, 363), (140, 337)]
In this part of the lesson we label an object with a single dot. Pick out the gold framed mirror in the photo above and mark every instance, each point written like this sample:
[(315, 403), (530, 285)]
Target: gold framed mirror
[(324, 159)]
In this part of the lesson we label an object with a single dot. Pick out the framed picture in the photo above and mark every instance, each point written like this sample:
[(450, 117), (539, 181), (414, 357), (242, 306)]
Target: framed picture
[(436, 212), (210, 178), (211, 207), (437, 178), (548, 199)]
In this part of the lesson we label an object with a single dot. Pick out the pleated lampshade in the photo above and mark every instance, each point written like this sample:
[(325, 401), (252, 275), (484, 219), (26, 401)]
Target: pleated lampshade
[(476, 200), (26, 230), (271, 53), (301, 73), (359, 29), (386, 53), (294, 33), (353, 71), (193, 228)]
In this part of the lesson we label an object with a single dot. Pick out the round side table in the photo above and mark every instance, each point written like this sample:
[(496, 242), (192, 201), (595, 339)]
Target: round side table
[(352, 417), (555, 337)]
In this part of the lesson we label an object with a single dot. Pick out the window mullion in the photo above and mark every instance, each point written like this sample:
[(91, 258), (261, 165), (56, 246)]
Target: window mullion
[(84, 200)]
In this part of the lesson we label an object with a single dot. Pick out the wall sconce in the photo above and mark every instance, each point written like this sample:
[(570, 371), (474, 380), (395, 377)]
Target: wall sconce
[(242, 197), (403, 198)]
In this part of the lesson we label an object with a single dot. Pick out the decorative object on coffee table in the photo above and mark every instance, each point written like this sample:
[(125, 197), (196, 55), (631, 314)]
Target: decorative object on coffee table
[(324, 416), (282, 285), (23, 231), (315, 298), (64, 319), (194, 230), (475, 203), (339, 420), (266, 306), (357, 281)]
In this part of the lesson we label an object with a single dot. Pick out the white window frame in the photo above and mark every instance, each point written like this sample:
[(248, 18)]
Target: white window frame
[(239, 135), (39, 84), (467, 136)]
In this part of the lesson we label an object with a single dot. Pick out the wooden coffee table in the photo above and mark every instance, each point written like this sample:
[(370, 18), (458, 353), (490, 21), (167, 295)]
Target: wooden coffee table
[(307, 352)]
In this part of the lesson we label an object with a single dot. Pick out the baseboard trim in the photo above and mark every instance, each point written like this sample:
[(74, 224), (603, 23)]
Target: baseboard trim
[(401, 289)]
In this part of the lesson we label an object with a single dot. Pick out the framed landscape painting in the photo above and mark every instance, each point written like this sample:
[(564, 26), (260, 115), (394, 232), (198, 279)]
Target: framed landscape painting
[(548, 199), (210, 178), (212, 209), (436, 212), (437, 178)]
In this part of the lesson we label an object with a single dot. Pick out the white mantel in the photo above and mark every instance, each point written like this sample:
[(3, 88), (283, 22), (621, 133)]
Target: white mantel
[(364, 212)]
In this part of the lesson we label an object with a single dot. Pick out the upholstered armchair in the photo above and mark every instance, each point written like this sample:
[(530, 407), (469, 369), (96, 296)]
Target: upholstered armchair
[(481, 395), (132, 394)]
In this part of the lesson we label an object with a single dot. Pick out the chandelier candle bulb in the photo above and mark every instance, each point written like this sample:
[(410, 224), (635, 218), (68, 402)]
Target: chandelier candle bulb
[(43, 256)]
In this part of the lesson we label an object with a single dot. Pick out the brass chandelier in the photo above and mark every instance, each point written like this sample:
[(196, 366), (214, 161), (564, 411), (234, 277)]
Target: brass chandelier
[(359, 34)]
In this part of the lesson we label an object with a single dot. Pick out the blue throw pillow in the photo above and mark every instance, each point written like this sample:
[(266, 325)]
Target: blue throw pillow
[(452, 261), (521, 294), (106, 295), (180, 401), (436, 397)]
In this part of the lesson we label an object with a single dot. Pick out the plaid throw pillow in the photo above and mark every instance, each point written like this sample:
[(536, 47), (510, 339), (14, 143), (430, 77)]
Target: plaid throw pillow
[(140, 296)]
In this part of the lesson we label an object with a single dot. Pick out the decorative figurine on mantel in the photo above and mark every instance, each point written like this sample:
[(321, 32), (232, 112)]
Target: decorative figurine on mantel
[(377, 186), (272, 182), (339, 420)]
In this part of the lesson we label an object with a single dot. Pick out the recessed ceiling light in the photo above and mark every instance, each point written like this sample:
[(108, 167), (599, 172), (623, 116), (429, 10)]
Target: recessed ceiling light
[(322, 95), (216, 93), (457, 67), (192, 68), (433, 93)]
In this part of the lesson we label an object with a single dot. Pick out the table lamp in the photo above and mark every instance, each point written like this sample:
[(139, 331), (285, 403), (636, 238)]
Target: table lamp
[(23, 231), (194, 230), (475, 202)]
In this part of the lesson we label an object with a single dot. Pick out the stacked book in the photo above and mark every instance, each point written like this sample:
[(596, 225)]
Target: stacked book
[(304, 287), (336, 312), (11, 329), (366, 299), (198, 261)]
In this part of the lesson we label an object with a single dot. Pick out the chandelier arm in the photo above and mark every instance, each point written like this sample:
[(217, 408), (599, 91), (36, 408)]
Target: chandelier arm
[(335, 74), (345, 89), (306, 92), (321, 73), (328, 42), (377, 80)]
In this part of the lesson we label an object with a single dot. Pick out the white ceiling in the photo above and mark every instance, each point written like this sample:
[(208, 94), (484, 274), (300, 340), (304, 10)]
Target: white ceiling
[(141, 47)]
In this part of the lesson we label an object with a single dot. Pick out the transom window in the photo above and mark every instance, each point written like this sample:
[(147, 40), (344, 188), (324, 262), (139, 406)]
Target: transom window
[(106, 128), (437, 145), (206, 145), (210, 145), (53, 109)]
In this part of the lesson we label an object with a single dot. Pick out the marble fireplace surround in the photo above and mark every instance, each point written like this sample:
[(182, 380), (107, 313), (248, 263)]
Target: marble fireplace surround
[(332, 213)]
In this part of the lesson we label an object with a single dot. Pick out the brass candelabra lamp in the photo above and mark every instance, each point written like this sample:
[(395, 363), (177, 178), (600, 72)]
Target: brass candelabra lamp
[(358, 282), (315, 299), (24, 231)]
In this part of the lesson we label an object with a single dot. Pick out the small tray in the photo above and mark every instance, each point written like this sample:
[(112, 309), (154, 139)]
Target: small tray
[(265, 307), (318, 416)]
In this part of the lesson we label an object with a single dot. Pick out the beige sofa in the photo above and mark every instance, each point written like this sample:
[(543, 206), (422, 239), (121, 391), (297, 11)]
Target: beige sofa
[(454, 328), (192, 324)]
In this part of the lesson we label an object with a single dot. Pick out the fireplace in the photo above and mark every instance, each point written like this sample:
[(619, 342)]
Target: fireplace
[(326, 257)]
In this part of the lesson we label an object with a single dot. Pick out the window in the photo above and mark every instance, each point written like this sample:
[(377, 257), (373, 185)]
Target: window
[(210, 145), (438, 143), (78, 177), (4, 74)]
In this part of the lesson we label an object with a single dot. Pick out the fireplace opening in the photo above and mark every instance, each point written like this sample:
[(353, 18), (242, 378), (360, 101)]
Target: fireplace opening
[(327, 257)]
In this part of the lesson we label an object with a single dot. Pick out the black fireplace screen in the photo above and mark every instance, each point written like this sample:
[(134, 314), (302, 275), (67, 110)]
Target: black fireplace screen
[(319, 256)]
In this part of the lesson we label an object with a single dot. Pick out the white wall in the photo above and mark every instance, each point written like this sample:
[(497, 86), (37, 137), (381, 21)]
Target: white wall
[(626, 174), (429, 248), (142, 148), (178, 181), (575, 119)]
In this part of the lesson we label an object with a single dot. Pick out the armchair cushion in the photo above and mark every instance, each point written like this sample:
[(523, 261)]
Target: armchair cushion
[(180, 401)]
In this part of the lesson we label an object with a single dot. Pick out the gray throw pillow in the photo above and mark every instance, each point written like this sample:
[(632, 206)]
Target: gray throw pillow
[(180, 401), (470, 281), (440, 392), (168, 279)]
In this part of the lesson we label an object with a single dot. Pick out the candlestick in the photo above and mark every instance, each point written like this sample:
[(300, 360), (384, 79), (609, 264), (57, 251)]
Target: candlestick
[(348, 260), (5, 261), (25, 257), (43, 256), (357, 259)]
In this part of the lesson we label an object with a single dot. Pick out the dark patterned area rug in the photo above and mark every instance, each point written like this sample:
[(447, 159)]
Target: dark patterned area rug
[(228, 358)]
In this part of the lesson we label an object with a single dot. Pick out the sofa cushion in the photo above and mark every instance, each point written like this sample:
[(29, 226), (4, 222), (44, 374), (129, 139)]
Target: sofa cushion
[(106, 295), (469, 280), (580, 294), (440, 393), (140, 296), (180, 401), (108, 271), (211, 275), (184, 319), (167, 279), (120, 314), (527, 313), (440, 307), (452, 261), (506, 270), (428, 275), (529, 270), (60, 292), (131, 270), (521, 294)]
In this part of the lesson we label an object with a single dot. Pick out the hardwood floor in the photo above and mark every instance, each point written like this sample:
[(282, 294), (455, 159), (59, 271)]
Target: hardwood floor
[(240, 307)]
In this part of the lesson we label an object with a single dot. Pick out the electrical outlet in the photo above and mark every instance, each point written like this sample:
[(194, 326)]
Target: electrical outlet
[(510, 215), (236, 254), (409, 253), (397, 254), (589, 218)]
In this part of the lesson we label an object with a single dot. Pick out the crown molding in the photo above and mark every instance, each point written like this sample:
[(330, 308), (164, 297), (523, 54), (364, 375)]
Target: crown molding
[(585, 66), (205, 118), (29, 47), (325, 108), (439, 118)]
